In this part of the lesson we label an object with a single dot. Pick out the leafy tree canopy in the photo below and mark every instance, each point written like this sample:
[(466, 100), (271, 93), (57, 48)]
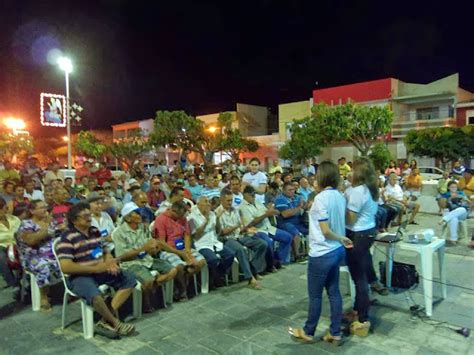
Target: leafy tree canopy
[(305, 141), (380, 156), (443, 143), (357, 124), (11, 145), (88, 144), (178, 130)]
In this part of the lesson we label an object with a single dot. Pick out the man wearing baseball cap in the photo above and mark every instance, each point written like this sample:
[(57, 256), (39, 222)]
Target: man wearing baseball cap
[(135, 249)]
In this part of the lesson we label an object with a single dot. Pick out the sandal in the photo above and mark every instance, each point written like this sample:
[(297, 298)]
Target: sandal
[(300, 335), (254, 285), (332, 339), (125, 329), (105, 329), (45, 308), (360, 329)]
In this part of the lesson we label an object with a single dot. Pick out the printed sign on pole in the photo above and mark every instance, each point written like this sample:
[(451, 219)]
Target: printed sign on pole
[(53, 110)]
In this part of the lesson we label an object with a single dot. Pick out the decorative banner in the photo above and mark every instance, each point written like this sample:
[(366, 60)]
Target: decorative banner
[(53, 110)]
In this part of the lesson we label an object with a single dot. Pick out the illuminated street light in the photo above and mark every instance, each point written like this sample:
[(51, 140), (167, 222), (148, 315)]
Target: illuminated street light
[(65, 65), (15, 124), (65, 138), (212, 129)]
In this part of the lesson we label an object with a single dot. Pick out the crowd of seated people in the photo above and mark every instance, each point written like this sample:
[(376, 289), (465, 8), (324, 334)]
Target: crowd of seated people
[(159, 224)]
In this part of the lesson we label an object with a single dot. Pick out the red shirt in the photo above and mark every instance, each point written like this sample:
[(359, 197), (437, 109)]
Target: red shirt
[(103, 175), (82, 171), (155, 198), (169, 230)]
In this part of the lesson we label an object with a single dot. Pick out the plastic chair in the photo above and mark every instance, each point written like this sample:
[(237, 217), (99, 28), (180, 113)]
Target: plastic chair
[(35, 292), (204, 280), (87, 311), (462, 230), (352, 290)]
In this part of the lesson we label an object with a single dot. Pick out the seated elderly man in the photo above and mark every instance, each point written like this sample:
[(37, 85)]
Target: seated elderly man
[(176, 195), (219, 258), (155, 195), (255, 214), (88, 264), (211, 189), (135, 249), (172, 228), (236, 237), (141, 200), (290, 220), (394, 197)]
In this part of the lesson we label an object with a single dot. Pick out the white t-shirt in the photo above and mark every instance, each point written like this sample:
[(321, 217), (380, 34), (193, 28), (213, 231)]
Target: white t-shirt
[(105, 225), (360, 201), (255, 180), (328, 206), (35, 195), (208, 239), (394, 191)]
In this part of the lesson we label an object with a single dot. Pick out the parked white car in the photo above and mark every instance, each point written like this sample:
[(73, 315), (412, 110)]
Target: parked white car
[(430, 172)]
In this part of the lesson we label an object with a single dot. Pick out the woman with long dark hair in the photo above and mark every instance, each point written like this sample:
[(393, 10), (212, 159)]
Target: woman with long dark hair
[(360, 228)]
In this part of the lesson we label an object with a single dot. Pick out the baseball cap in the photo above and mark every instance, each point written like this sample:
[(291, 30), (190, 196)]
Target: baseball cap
[(132, 181), (130, 207)]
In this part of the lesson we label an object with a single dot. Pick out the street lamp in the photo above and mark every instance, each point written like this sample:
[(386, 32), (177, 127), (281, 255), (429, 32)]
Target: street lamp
[(65, 65), (15, 124)]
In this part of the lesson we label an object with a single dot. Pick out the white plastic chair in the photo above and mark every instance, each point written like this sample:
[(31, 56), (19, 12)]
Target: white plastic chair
[(462, 230), (86, 310), (204, 280), (352, 290), (35, 292)]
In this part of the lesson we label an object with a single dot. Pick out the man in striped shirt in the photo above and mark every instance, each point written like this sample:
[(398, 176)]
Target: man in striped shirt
[(82, 256), (211, 189)]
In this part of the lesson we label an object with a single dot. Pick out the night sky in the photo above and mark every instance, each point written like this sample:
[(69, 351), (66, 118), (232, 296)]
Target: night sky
[(132, 58)]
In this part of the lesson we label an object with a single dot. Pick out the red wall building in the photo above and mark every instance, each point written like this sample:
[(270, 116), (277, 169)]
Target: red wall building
[(360, 92)]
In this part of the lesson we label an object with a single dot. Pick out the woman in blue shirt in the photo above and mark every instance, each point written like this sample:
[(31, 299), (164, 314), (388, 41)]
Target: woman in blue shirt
[(326, 240), (360, 228)]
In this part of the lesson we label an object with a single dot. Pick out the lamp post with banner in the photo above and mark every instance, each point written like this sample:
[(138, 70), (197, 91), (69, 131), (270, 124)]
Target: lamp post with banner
[(65, 65)]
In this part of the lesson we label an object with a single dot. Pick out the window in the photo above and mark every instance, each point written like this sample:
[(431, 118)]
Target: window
[(428, 113), (470, 119), (134, 132), (119, 134)]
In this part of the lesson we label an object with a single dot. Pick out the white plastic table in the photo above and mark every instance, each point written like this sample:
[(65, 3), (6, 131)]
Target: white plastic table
[(426, 255)]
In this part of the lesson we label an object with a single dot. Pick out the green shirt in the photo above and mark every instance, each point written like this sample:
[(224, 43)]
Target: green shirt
[(126, 239), (443, 186)]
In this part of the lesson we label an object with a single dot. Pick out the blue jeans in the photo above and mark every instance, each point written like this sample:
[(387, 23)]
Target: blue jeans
[(283, 250), (218, 262), (323, 272), (293, 228)]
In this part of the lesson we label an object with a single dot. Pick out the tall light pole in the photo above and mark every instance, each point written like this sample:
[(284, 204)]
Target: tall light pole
[(65, 65)]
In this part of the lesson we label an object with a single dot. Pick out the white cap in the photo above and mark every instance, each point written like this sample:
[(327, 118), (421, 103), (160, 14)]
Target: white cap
[(129, 207), (132, 181)]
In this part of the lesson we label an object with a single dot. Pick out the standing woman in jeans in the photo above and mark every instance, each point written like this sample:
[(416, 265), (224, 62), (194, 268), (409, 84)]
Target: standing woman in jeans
[(360, 228), (327, 242)]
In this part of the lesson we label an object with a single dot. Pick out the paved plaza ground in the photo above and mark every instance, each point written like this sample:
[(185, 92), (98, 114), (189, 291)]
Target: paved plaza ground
[(237, 320)]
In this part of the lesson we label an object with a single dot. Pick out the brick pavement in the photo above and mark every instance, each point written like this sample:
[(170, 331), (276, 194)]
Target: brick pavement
[(236, 320)]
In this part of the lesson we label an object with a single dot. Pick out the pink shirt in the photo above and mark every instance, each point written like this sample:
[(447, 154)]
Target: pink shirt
[(169, 230)]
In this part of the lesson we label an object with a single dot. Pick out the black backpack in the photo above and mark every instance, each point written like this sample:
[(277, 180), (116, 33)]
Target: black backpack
[(403, 275)]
